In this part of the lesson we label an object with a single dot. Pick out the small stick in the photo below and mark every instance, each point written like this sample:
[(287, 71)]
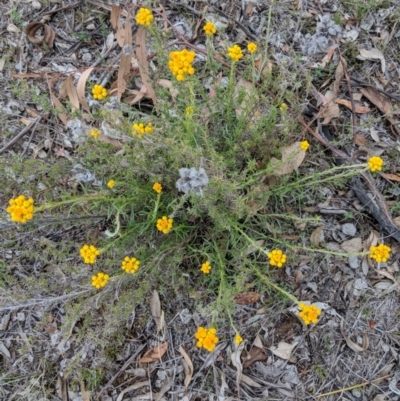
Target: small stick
[(62, 8), (32, 125)]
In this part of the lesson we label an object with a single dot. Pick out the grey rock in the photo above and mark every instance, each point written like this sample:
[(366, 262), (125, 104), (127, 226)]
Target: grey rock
[(349, 229), (354, 263)]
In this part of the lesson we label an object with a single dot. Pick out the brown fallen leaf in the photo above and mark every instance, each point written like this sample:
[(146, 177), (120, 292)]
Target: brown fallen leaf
[(49, 34), (352, 345), (57, 104), (141, 55), (247, 298), (81, 87), (68, 89), (107, 139), (392, 177), (154, 354), (125, 62), (165, 83), (255, 354), (292, 157), (284, 350), (156, 312), (188, 367), (317, 236), (339, 75), (115, 13), (358, 109), (373, 54), (353, 245)]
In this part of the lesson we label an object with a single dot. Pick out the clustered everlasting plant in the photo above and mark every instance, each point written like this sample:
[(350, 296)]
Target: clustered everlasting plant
[(99, 92), (21, 209), (144, 17), (211, 161), (140, 129), (380, 253), (206, 338), (181, 63), (375, 163)]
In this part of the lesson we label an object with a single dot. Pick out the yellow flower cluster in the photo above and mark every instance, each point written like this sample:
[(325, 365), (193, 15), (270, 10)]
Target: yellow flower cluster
[(157, 187), (164, 224), (238, 339), (95, 133), (181, 63), (252, 47), (283, 108), (21, 209), (144, 16), (206, 338), (100, 280), (141, 129), (99, 92), (375, 163), (381, 253), (276, 258), (206, 267), (111, 184), (189, 110), (304, 145), (89, 253), (209, 28), (130, 265), (235, 53), (309, 313)]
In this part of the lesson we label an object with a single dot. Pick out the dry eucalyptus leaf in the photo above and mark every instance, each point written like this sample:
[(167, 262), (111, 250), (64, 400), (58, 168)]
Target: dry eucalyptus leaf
[(154, 354), (188, 367), (317, 236), (249, 98), (373, 54), (68, 89), (247, 298), (284, 350), (392, 177), (255, 354), (237, 363), (155, 307), (358, 109), (353, 245), (292, 157), (352, 345), (81, 86), (49, 34)]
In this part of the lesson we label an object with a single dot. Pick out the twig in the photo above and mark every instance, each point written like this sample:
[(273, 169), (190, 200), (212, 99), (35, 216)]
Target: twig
[(124, 366), (351, 387), (62, 8), (32, 125)]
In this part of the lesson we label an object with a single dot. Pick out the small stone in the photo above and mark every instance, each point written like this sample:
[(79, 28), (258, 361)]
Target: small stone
[(36, 5), (349, 229), (87, 57), (354, 263), (21, 316), (91, 27)]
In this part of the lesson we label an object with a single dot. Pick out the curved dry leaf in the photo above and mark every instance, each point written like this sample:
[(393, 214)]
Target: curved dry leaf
[(111, 141), (353, 245), (68, 89), (317, 236), (115, 13), (57, 104), (374, 54), (141, 55), (165, 83), (125, 63), (81, 87), (352, 345), (237, 363), (49, 34), (292, 157), (154, 354), (130, 388), (392, 177), (188, 367), (357, 109), (284, 350), (156, 312)]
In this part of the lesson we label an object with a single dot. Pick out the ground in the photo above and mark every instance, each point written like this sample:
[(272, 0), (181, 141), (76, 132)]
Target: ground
[(325, 72)]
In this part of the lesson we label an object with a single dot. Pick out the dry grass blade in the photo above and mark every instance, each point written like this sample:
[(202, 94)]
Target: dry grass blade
[(141, 55), (49, 34), (188, 367), (68, 89), (81, 88)]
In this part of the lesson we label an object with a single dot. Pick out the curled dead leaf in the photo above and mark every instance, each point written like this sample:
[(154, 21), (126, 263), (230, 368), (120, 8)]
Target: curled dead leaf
[(353, 245), (68, 89), (49, 34), (352, 345), (81, 86), (357, 109), (317, 236), (255, 354), (247, 298), (284, 350), (188, 367), (154, 354), (156, 312), (292, 157)]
